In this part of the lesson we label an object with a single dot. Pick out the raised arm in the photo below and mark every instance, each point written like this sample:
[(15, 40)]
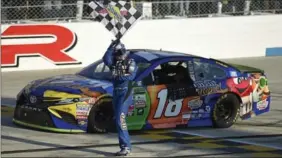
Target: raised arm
[(108, 56)]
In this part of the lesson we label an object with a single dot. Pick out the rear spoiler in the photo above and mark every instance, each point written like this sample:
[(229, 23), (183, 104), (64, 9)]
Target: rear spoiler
[(241, 68), (247, 69)]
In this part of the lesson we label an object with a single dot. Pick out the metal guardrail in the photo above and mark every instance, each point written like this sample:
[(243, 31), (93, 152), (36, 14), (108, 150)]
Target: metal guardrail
[(30, 11)]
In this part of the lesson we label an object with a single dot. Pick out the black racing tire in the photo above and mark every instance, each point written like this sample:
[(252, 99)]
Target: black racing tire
[(226, 111), (101, 116)]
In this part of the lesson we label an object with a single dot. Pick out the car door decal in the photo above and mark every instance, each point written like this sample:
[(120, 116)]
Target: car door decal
[(172, 109), (165, 113)]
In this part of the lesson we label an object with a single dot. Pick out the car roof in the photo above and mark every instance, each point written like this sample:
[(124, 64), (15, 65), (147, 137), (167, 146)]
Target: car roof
[(151, 55)]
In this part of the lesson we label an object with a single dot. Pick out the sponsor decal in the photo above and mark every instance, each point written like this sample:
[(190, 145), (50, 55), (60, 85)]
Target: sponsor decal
[(139, 83), (82, 122), (140, 100), (31, 108), (82, 117), (76, 100), (245, 108), (186, 115), (208, 87), (197, 114), (32, 99), (205, 84), (123, 122), (233, 74), (140, 111), (262, 105), (92, 100), (130, 110), (260, 88), (66, 101), (201, 111), (82, 109), (195, 103), (54, 52), (240, 85)]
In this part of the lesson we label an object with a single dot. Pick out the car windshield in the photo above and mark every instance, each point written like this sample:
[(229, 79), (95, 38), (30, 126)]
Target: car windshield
[(100, 71)]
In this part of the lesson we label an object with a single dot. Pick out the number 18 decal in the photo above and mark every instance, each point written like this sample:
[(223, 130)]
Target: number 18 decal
[(172, 109)]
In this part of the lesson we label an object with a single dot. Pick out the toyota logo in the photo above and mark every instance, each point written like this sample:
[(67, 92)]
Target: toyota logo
[(32, 99)]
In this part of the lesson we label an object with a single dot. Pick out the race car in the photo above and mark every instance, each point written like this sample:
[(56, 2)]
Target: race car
[(171, 90)]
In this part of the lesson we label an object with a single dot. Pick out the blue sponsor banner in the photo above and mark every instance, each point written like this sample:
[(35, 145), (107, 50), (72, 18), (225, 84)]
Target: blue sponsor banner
[(276, 51)]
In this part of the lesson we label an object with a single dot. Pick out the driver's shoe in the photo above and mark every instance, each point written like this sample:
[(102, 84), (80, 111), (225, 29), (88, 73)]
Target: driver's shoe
[(123, 152)]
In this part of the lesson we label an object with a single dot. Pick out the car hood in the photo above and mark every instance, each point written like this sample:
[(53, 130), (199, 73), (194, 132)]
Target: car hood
[(69, 83)]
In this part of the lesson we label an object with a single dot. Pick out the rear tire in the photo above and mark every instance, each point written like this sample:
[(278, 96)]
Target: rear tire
[(226, 111), (101, 116)]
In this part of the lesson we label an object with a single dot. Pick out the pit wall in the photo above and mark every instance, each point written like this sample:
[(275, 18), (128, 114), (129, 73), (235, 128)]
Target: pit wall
[(69, 45)]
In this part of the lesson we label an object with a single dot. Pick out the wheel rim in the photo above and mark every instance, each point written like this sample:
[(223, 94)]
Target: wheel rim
[(103, 117), (224, 111)]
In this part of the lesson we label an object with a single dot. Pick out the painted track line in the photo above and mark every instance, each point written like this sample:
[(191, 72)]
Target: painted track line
[(232, 140), (79, 147)]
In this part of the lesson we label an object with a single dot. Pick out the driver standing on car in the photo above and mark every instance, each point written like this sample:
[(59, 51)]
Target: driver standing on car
[(123, 72)]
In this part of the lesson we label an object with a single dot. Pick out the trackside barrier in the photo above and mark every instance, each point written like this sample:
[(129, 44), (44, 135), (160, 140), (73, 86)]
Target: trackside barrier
[(68, 45)]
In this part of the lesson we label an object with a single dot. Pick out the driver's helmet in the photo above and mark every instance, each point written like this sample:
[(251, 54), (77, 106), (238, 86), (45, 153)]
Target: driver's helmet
[(120, 51)]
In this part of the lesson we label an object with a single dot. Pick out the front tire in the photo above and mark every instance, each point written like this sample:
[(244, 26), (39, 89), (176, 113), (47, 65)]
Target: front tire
[(226, 111), (100, 119)]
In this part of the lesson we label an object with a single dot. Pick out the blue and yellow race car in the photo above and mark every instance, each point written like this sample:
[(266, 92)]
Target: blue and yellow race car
[(170, 90)]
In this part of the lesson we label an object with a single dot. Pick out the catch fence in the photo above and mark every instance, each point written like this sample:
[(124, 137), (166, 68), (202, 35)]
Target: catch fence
[(32, 11)]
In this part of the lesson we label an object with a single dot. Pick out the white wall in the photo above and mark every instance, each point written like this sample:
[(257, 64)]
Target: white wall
[(225, 37)]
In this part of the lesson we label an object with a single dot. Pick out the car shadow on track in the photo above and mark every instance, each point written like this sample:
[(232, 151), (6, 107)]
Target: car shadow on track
[(7, 116), (94, 148), (50, 147), (8, 111)]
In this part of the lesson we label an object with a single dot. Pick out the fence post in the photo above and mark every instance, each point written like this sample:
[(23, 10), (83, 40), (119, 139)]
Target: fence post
[(219, 8), (147, 10), (247, 7), (79, 13)]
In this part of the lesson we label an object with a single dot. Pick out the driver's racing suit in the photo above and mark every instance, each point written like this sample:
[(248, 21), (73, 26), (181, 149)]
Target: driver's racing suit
[(123, 72)]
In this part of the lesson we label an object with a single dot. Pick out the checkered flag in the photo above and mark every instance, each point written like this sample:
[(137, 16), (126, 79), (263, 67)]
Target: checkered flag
[(117, 17)]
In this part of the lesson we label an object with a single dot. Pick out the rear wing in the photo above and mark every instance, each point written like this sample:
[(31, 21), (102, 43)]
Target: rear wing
[(241, 68), (247, 69)]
